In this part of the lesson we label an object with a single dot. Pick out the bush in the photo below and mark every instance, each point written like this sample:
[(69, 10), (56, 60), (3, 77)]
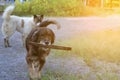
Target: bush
[(50, 7)]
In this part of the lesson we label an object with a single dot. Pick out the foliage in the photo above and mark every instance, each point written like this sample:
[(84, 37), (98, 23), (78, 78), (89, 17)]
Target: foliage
[(50, 7), (60, 8)]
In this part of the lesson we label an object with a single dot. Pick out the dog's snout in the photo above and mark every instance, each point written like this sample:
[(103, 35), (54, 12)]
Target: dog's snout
[(46, 42)]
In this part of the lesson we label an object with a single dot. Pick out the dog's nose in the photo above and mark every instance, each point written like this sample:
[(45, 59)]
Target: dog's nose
[(46, 42)]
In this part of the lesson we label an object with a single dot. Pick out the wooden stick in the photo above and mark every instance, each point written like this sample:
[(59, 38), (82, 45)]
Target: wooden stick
[(52, 46)]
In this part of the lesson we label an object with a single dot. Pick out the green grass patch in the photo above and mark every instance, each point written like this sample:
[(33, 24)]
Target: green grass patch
[(102, 45), (107, 76), (51, 75)]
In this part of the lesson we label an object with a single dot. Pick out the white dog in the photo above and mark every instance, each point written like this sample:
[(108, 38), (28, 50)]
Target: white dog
[(11, 23)]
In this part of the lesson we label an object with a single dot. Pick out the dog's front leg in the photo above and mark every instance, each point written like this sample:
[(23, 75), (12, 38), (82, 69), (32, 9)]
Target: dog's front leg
[(34, 72), (35, 65)]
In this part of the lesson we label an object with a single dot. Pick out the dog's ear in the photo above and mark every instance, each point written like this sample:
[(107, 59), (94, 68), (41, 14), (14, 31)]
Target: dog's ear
[(52, 36), (33, 44), (53, 39), (41, 17), (35, 36), (35, 16)]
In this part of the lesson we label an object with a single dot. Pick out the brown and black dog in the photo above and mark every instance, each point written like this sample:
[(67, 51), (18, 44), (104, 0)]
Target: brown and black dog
[(36, 55)]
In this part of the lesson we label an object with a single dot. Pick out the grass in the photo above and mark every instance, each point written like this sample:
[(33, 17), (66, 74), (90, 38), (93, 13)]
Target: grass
[(51, 75), (101, 45)]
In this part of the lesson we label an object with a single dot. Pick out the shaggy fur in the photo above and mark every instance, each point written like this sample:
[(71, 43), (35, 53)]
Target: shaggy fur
[(36, 55), (12, 23)]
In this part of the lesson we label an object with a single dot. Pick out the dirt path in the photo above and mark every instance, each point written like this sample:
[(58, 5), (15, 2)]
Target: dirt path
[(12, 60)]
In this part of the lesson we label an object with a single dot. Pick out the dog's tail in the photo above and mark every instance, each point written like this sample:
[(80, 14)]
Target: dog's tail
[(48, 22), (7, 12)]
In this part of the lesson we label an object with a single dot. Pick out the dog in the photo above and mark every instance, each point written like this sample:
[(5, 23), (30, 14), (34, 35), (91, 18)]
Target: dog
[(36, 55), (12, 23)]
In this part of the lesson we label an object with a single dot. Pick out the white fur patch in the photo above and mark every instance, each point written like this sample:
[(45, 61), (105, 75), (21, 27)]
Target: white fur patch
[(38, 24), (35, 66), (43, 42)]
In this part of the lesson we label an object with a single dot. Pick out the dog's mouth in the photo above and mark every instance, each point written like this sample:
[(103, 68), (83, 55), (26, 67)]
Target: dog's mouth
[(45, 43)]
